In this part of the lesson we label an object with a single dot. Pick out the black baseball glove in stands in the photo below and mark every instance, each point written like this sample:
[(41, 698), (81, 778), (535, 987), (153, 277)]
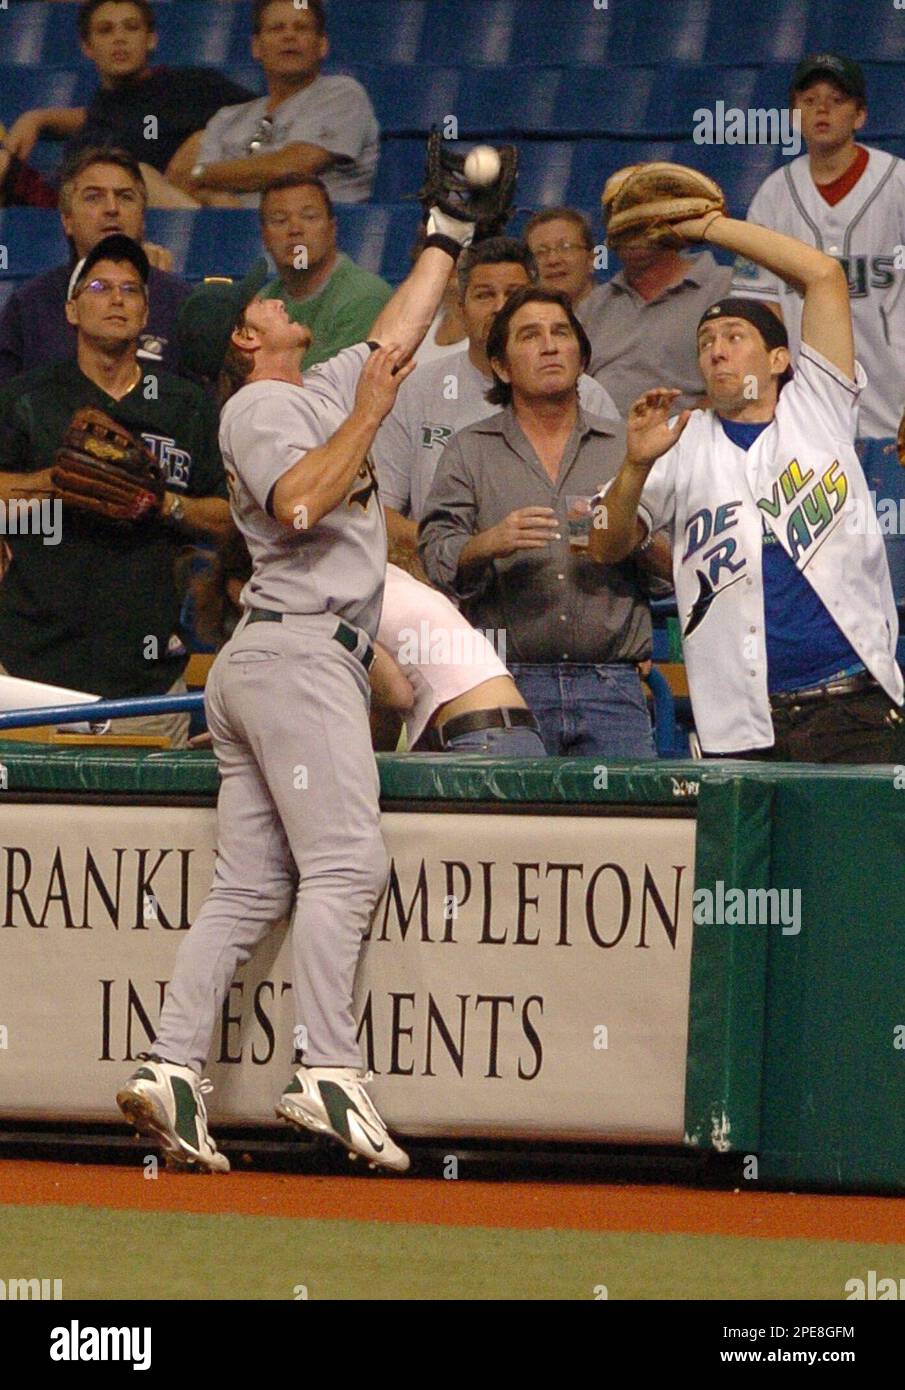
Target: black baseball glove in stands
[(447, 188), (101, 468)]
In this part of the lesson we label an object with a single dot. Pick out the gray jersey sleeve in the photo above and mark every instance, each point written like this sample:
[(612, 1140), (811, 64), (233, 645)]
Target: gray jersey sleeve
[(338, 376), (262, 445)]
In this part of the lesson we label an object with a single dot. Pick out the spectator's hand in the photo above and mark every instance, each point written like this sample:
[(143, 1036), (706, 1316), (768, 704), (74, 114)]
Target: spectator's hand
[(380, 379), (24, 134), (644, 668), (649, 435), (159, 256), (201, 741), (528, 528)]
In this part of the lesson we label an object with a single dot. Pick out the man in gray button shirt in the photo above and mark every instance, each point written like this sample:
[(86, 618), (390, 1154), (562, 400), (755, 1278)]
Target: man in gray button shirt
[(445, 396), (641, 322), (496, 536), (307, 123)]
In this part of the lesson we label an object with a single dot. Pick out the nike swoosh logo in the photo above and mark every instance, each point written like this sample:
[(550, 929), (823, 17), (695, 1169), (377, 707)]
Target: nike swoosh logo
[(339, 1106)]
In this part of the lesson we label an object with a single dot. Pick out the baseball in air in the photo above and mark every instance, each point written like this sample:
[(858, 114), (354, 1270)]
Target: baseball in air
[(482, 166)]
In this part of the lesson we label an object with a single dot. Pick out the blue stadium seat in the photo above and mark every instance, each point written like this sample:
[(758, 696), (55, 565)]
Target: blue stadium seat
[(34, 241), (221, 241), (571, 32), (36, 33), (400, 170), (545, 171), (22, 88), (381, 31), (379, 237), (206, 32), (740, 175), (453, 33), (645, 32), (873, 31), (492, 103), (405, 101), (767, 32)]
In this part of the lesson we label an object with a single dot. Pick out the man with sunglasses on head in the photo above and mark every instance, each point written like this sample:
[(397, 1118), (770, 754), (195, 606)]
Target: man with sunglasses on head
[(89, 605), (306, 124)]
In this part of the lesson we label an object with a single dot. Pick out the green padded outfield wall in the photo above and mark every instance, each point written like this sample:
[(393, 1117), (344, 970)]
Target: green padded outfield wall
[(796, 1047)]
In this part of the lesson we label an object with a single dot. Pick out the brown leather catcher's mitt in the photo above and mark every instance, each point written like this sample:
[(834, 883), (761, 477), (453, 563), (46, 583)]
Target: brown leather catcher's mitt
[(103, 469), (649, 199)]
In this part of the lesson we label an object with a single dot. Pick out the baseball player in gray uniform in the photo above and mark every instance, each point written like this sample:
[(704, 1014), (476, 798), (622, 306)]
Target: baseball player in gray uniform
[(287, 697)]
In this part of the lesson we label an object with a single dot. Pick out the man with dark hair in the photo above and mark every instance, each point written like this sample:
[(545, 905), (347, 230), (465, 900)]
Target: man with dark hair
[(495, 535), (788, 619), (318, 283), (449, 393), (97, 607), (102, 192), (149, 111), (307, 123)]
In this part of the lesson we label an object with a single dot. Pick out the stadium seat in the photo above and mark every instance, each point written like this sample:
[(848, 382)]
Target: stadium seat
[(594, 160), (221, 241), (34, 241), (645, 32), (37, 34), (206, 32), (400, 170), (379, 31), (767, 32), (453, 33), (406, 104), (492, 104), (873, 31), (23, 88)]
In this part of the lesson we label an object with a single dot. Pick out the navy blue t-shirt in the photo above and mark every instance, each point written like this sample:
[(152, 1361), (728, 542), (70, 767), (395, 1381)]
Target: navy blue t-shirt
[(805, 644), (34, 330)]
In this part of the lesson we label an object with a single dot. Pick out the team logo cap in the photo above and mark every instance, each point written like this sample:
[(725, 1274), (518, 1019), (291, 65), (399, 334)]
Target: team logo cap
[(845, 72), (206, 320)]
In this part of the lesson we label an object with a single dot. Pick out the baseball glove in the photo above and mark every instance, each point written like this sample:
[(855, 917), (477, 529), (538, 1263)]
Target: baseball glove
[(101, 468), (446, 188), (647, 200)]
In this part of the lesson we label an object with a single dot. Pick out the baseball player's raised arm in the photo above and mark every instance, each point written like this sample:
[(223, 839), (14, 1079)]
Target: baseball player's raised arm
[(826, 322), (321, 478), (405, 319)]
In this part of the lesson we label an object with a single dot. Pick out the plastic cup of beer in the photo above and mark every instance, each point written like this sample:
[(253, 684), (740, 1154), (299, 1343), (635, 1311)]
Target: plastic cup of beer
[(578, 516)]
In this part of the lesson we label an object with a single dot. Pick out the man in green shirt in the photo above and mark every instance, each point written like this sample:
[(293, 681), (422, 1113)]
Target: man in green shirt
[(319, 285)]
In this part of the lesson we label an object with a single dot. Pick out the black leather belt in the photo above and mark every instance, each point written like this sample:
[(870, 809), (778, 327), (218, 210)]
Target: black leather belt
[(846, 685), (476, 721), (345, 635)]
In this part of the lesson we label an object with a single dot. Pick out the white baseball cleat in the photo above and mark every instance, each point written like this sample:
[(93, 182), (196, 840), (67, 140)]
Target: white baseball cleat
[(165, 1102), (333, 1101)]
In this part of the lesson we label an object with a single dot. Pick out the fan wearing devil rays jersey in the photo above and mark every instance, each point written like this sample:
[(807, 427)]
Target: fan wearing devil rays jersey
[(848, 200), (788, 621)]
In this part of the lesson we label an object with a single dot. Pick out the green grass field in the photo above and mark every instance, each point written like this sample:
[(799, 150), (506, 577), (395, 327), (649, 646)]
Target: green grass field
[(102, 1254)]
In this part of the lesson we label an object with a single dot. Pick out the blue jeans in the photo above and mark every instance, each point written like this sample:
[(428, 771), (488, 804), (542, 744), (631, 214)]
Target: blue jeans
[(500, 743), (587, 711)]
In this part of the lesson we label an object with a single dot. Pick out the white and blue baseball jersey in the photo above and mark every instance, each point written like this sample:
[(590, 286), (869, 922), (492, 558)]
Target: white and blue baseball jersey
[(338, 565), (865, 231), (801, 478)]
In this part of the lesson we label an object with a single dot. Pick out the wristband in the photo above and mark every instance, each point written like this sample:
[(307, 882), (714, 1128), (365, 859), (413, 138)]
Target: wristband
[(444, 243), (646, 543)]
